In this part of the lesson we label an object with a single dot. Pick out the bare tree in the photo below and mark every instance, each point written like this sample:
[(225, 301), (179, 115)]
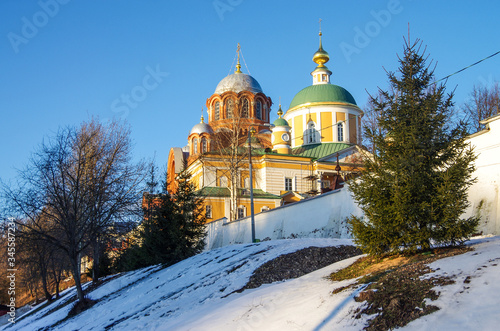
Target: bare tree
[(229, 143), (484, 102), (371, 121), (34, 254), (81, 182)]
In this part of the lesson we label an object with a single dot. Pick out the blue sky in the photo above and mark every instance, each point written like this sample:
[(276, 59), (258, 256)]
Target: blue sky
[(64, 61)]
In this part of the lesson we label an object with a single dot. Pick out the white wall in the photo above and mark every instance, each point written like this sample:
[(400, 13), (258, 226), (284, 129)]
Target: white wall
[(326, 214), (319, 217), (484, 193)]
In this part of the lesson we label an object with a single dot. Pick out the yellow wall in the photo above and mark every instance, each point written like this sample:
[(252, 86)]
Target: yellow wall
[(218, 206), (353, 129), (340, 117), (298, 130), (326, 127), (258, 204)]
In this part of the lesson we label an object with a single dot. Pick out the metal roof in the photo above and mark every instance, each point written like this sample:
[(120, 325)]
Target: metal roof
[(211, 191), (318, 151), (322, 93)]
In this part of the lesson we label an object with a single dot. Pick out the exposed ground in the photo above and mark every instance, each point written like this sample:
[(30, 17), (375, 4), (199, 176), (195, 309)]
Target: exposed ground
[(296, 264), (395, 293)]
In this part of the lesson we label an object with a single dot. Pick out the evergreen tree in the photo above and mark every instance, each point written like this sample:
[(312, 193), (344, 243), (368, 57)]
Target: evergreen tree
[(190, 216), (414, 187), (173, 228)]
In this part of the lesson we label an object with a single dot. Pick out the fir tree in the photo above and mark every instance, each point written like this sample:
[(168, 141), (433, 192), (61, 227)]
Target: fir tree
[(173, 228), (190, 217), (414, 187)]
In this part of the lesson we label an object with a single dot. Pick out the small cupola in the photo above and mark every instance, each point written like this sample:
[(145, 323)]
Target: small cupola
[(321, 75), (280, 138)]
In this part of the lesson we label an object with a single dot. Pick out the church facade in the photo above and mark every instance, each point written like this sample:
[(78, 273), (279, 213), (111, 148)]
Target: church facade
[(310, 149)]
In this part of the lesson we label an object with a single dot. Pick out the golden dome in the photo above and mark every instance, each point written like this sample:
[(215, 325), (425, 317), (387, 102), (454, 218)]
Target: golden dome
[(321, 56), (280, 112)]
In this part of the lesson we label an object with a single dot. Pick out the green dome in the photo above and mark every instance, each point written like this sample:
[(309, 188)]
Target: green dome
[(322, 93), (281, 122)]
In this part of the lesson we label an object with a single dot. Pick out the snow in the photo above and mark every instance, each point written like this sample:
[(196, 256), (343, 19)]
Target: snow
[(197, 294), (467, 306)]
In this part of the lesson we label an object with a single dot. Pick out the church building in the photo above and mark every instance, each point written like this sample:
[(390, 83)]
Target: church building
[(310, 149)]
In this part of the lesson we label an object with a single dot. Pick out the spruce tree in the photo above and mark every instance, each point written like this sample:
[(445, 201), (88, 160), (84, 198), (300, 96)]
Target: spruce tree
[(190, 216), (414, 187), (173, 228)]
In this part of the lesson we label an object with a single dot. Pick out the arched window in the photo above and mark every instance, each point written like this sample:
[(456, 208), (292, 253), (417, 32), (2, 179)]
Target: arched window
[(246, 182), (311, 133), (258, 110), (195, 145), (217, 111), (244, 108), (203, 145), (340, 132), (229, 108)]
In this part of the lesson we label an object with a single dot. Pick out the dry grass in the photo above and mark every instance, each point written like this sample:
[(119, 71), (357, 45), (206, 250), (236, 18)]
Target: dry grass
[(396, 294)]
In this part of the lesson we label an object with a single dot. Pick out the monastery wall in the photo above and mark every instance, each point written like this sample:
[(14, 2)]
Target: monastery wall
[(483, 195), (323, 216)]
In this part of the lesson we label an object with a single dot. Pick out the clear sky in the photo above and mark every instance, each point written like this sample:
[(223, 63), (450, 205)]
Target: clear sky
[(154, 63)]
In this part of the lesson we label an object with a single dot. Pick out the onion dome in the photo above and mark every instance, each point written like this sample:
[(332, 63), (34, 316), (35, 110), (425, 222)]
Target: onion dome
[(322, 91), (238, 81), (201, 128), (321, 56)]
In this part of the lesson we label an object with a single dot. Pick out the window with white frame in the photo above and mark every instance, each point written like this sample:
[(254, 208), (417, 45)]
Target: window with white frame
[(208, 211), (246, 182), (288, 184), (311, 133), (265, 208), (241, 211), (340, 131)]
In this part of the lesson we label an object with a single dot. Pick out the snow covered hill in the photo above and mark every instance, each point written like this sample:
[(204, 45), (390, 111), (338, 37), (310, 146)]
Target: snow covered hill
[(195, 294)]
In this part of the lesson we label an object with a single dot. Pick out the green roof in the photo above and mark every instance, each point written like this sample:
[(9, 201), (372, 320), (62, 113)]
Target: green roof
[(281, 122), (318, 151), (210, 191), (322, 93)]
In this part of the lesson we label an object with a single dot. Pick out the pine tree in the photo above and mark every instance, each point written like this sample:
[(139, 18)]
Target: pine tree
[(414, 187)]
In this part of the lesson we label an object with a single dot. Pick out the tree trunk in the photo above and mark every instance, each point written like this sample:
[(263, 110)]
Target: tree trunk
[(45, 288), (233, 213), (95, 265), (75, 270), (56, 285)]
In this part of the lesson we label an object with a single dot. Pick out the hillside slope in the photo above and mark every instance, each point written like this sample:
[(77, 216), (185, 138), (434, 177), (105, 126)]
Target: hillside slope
[(195, 294)]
